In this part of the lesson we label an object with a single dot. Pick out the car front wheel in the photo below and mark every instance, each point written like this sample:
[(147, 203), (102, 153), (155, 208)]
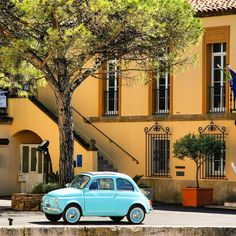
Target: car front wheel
[(117, 219), (72, 214), (53, 218), (136, 214)]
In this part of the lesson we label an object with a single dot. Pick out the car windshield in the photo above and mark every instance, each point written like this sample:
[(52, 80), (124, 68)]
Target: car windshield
[(80, 181)]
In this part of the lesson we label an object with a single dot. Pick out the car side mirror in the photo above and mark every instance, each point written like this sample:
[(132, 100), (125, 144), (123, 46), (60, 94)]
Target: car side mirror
[(68, 185)]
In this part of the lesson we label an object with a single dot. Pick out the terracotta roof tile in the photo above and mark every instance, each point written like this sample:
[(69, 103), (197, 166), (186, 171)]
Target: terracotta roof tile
[(213, 6)]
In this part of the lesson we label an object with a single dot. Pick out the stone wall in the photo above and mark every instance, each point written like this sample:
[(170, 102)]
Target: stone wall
[(169, 190), (116, 231), (26, 202)]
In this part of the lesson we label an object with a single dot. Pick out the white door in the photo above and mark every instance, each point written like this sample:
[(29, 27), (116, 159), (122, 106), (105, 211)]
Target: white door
[(32, 166)]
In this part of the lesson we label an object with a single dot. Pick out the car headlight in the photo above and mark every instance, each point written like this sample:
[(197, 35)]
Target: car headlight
[(55, 200)]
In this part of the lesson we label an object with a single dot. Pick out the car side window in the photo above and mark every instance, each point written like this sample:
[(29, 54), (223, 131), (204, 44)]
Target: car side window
[(102, 184), (124, 185)]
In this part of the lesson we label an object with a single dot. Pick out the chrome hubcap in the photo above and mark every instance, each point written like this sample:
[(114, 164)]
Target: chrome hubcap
[(72, 215), (136, 215)]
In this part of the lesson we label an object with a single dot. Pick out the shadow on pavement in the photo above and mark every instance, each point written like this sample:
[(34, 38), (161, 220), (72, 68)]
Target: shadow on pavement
[(219, 209), (82, 223)]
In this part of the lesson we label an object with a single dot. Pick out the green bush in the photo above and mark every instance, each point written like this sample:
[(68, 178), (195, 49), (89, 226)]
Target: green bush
[(198, 148), (137, 180), (53, 177), (44, 188), (38, 188)]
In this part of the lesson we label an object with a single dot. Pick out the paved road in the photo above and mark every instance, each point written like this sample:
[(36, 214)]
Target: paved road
[(163, 215)]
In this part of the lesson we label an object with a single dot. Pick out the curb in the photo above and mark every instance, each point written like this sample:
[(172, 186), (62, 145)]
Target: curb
[(115, 231)]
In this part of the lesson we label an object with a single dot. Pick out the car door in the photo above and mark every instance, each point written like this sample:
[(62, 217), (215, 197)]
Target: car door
[(99, 197), (126, 195)]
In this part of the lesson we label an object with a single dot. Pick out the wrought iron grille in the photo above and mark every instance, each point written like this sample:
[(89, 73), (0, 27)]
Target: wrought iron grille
[(232, 102), (214, 168), (157, 151), (111, 103), (161, 101), (217, 98)]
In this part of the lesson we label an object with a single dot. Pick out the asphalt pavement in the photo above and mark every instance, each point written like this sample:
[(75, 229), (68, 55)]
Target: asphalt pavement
[(168, 215)]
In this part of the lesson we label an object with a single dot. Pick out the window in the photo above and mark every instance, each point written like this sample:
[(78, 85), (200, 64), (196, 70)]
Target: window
[(161, 93), (124, 185), (215, 58), (111, 92), (102, 184), (160, 156), (217, 88), (157, 151), (31, 160)]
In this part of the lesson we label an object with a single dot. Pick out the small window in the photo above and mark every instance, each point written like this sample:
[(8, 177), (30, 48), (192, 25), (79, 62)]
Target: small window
[(125, 185), (102, 184)]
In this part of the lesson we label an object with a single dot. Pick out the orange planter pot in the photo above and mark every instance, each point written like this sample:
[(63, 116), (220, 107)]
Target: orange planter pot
[(196, 197)]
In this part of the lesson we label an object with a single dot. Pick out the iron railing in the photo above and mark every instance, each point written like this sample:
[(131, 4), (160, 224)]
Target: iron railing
[(217, 98), (161, 101), (111, 103), (106, 136), (232, 102)]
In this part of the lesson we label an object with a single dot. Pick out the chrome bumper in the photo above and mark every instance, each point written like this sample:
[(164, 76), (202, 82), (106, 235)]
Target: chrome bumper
[(50, 209)]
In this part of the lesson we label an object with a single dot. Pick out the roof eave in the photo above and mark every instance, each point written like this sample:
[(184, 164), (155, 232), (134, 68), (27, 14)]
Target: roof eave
[(201, 14)]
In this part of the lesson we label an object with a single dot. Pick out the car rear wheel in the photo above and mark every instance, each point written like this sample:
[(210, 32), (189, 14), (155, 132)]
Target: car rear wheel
[(53, 218), (72, 214), (136, 214), (117, 219)]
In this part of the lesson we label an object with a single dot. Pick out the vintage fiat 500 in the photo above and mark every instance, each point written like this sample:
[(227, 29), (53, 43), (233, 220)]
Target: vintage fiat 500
[(110, 194)]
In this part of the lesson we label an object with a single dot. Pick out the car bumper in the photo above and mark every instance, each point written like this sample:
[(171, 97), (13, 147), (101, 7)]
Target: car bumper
[(50, 210)]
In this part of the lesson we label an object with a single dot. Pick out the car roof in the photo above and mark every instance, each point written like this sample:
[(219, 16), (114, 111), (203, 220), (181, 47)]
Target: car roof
[(104, 173)]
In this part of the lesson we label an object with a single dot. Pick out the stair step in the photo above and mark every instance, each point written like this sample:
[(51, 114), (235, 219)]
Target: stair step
[(105, 165)]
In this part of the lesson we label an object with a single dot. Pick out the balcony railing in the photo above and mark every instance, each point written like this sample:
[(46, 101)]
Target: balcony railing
[(232, 103), (111, 103), (161, 101), (217, 99)]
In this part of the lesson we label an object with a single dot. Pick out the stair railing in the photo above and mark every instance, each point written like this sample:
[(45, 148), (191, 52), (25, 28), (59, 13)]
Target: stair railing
[(106, 136)]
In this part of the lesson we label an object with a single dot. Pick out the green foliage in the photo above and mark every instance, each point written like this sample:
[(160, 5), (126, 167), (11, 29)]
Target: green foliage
[(137, 180), (53, 177), (198, 148), (38, 188), (44, 188), (63, 42), (38, 34)]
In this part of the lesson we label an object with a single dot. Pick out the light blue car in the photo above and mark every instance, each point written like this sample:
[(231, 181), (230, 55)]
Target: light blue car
[(110, 194)]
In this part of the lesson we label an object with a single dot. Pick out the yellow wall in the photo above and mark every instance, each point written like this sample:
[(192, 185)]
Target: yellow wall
[(30, 126), (128, 129), (9, 164)]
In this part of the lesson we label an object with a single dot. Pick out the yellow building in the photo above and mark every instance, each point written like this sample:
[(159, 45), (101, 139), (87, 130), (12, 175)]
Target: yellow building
[(133, 125)]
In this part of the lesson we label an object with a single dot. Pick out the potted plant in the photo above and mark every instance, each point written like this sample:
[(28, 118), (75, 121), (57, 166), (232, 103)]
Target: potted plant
[(148, 190), (198, 148)]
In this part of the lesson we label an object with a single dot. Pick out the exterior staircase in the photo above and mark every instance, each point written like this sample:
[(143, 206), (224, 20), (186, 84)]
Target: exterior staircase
[(103, 164)]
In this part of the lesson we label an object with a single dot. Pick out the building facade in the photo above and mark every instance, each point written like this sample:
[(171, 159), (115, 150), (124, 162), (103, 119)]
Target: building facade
[(133, 125)]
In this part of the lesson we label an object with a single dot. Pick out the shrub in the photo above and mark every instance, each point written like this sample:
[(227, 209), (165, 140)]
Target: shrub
[(38, 188), (44, 188), (198, 148)]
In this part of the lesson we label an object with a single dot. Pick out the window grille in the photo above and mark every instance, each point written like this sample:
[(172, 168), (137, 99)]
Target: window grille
[(157, 151), (111, 93), (217, 88), (161, 91)]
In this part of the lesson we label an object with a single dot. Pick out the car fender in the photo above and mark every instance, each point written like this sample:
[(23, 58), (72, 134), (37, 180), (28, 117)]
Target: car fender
[(73, 201), (146, 206)]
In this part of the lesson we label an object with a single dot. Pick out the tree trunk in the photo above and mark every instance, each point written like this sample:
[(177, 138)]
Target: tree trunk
[(66, 137), (197, 171)]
